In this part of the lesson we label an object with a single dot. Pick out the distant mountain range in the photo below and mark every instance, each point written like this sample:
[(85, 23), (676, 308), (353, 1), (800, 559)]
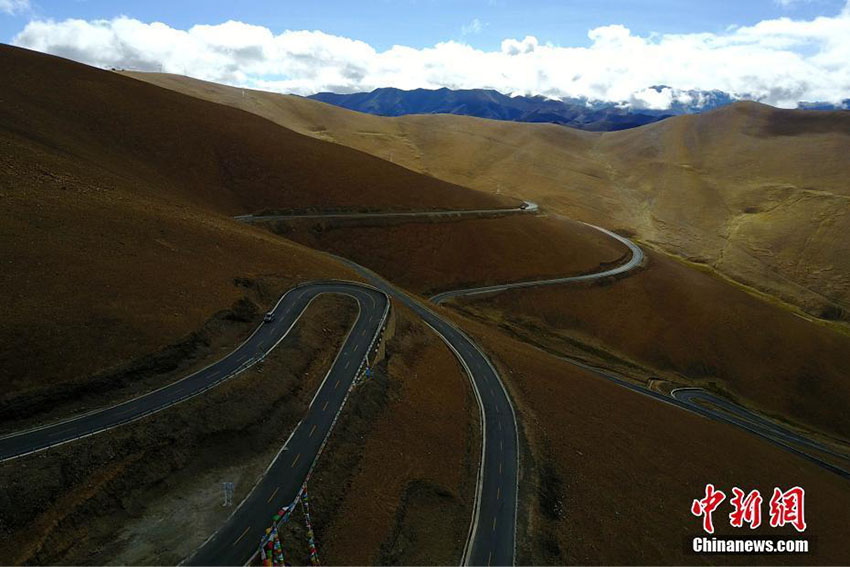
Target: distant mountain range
[(575, 112)]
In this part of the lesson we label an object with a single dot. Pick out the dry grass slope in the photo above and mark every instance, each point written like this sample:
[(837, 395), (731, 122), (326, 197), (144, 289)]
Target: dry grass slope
[(758, 193), (610, 475), (212, 156), (117, 195), (115, 237), (404, 460), (431, 257), (698, 330), (761, 194)]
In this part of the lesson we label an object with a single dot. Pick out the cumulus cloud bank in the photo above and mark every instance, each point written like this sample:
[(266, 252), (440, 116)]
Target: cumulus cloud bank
[(780, 61)]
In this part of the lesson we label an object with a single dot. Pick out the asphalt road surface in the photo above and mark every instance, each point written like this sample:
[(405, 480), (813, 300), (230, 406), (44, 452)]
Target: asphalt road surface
[(633, 262), (491, 538), (264, 339), (239, 537), (721, 409), (527, 207), (492, 535)]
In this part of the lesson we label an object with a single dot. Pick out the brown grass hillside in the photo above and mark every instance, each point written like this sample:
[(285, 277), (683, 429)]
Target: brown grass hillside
[(430, 257), (114, 245), (610, 475), (405, 460), (758, 193), (116, 242), (698, 330), (670, 318), (205, 154)]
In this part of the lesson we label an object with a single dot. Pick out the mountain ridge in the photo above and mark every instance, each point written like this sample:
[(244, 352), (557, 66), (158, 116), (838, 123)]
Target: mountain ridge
[(488, 103), (581, 113), (743, 189)]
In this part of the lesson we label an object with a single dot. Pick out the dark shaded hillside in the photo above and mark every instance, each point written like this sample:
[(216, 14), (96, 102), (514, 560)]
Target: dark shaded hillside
[(115, 241), (207, 154)]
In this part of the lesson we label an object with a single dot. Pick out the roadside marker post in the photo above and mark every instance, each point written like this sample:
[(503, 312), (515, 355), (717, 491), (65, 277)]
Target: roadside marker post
[(228, 493)]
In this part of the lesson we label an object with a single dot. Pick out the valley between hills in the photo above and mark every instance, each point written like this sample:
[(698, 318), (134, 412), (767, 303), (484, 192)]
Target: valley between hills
[(136, 260)]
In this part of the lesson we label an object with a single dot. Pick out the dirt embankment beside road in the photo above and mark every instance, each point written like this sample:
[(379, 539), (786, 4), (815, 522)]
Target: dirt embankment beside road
[(42, 403), (608, 475), (696, 329), (398, 483), (149, 493), (430, 257)]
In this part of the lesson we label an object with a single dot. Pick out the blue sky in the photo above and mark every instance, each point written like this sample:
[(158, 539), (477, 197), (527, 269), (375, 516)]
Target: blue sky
[(423, 23), (780, 52)]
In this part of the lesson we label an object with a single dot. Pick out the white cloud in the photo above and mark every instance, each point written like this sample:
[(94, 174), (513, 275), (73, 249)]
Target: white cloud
[(473, 27), (780, 61), (14, 6), (656, 99), (514, 47), (791, 3)]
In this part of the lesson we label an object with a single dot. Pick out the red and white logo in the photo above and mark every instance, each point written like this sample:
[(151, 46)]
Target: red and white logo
[(785, 507)]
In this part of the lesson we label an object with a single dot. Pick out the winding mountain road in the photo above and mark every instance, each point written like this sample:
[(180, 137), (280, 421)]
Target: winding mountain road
[(633, 262), (491, 539), (492, 533), (709, 405), (238, 538), (287, 312)]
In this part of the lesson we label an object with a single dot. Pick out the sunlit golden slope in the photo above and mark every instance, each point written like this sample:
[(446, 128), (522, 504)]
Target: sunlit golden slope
[(762, 194), (542, 161), (758, 193)]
